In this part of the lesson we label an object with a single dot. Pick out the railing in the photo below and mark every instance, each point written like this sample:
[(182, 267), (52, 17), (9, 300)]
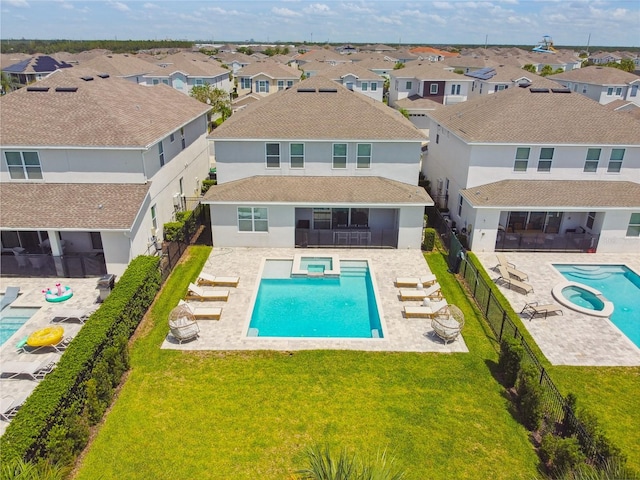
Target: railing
[(555, 406), (532, 242), (69, 265), (347, 238)]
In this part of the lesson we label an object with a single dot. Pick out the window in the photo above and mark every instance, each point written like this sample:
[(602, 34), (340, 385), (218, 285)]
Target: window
[(618, 91), (245, 83), (584, 88), (633, 230), (365, 86), (437, 138), (615, 161), (610, 91), (172, 137), (296, 155), (546, 156), (181, 185), (374, 86), (154, 220), (522, 159), (23, 165), (409, 85), (591, 217), (634, 91), (289, 83), (339, 155), (433, 89), (96, 240), (156, 81), (273, 155), (198, 82), (593, 156), (253, 219), (499, 88), (262, 86), (455, 89), (165, 81), (321, 218), (364, 155), (182, 139), (280, 85), (460, 204), (161, 150)]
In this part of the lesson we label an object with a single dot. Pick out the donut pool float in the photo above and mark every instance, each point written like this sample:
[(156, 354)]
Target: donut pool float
[(58, 293), (46, 336)]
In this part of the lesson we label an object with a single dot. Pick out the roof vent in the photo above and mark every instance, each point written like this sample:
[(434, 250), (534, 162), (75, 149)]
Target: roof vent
[(37, 89), (66, 89), (561, 90), (328, 90), (87, 78), (539, 90), (524, 85), (103, 75), (307, 90)]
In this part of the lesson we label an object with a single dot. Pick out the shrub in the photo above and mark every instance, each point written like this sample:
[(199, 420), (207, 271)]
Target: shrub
[(429, 239), (511, 353), (530, 397), (602, 444), (561, 455), (173, 231), (206, 185)]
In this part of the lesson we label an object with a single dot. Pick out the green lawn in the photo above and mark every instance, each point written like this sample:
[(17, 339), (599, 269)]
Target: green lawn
[(251, 415)]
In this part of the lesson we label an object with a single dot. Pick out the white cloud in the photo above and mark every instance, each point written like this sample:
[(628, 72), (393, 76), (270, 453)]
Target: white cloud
[(16, 3), (620, 14), (355, 8), (388, 20), (222, 11), (442, 6), (437, 19), (119, 6), (285, 12), (318, 9), (150, 6)]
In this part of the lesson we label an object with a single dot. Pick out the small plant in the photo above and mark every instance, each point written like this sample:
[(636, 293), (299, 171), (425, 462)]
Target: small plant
[(530, 397), (429, 239), (206, 185), (511, 353), (561, 455)]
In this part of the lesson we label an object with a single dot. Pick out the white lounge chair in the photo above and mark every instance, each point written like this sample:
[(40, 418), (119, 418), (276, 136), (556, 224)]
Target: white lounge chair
[(201, 312), (9, 405), (511, 282), (203, 293), (425, 280), (426, 311), (10, 294), (73, 315), (511, 268), (205, 279), (534, 308), (420, 293), (34, 370)]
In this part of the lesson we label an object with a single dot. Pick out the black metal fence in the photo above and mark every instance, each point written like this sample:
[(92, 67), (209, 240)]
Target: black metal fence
[(555, 406), (69, 265), (545, 242)]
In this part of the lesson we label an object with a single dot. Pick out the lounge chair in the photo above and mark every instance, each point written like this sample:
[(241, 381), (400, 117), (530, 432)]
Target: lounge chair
[(420, 293), (35, 370), (216, 281), (201, 312), (449, 325), (9, 406), (511, 268), (427, 311), (534, 308), (511, 282), (49, 337), (182, 323), (203, 293), (73, 315), (425, 280), (10, 294)]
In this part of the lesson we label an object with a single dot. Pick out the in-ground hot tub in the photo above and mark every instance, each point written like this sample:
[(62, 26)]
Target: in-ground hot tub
[(582, 298)]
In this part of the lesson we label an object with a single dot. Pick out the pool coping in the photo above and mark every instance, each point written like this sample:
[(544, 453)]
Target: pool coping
[(606, 311)]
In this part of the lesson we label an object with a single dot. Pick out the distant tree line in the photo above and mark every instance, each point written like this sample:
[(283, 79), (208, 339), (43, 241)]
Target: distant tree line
[(76, 46)]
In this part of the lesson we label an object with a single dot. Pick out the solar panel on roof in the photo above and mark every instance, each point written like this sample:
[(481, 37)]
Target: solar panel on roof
[(37, 89), (539, 90), (482, 74), (17, 67), (45, 63)]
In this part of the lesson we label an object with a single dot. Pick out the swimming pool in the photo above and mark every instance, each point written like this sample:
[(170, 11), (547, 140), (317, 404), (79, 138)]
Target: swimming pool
[(618, 284), (341, 306), (12, 318)]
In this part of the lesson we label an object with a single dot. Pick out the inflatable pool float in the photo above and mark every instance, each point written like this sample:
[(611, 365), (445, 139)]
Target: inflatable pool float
[(46, 336), (58, 293)]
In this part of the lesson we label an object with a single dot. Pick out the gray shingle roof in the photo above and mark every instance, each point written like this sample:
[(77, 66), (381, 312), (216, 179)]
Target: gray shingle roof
[(109, 112), (429, 71), (555, 194), (336, 115), (596, 75), (77, 206), (518, 115), (318, 190), (270, 69)]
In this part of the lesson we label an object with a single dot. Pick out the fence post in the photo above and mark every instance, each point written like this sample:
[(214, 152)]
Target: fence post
[(542, 372), (486, 310), (504, 319)]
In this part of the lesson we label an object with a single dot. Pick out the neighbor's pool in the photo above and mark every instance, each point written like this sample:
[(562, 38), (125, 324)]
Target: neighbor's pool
[(12, 318), (333, 306), (618, 284)]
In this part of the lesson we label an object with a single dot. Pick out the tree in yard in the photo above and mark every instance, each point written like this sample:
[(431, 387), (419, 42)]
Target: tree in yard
[(398, 66), (218, 99), (529, 68), (546, 70)]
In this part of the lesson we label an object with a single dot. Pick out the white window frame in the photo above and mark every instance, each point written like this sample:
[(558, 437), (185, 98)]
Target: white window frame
[(280, 85), (252, 217), (262, 86), (610, 92), (374, 86), (245, 83), (334, 156), (289, 83), (172, 137), (23, 167), (198, 82), (161, 153), (272, 156), (366, 158), (591, 164), (521, 160), (364, 86), (460, 201), (296, 156), (433, 91), (183, 140), (455, 89), (154, 218), (618, 91), (633, 229), (542, 162), (615, 165), (409, 85)]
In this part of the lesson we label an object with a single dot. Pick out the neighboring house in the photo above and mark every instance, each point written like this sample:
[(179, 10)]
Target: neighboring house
[(489, 80), (602, 58), (537, 169), (96, 165), (321, 55), (235, 61), (357, 79), (311, 69), (185, 70), (379, 64), (33, 69), (317, 165), (121, 65), (378, 48), (602, 84), (468, 63), (265, 78), (432, 54)]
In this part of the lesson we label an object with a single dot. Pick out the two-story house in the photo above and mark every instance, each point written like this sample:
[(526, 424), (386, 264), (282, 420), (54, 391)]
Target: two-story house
[(33, 69), (265, 77), (317, 165), (602, 84), (357, 79), (489, 80), (185, 70), (92, 167), (538, 169), (122, 65)]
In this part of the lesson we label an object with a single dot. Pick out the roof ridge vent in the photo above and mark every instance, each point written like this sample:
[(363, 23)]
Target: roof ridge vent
[(561, 90), (87, 78), (66, 89), (37, 89), (328, 90), (306, 90), (103, 75), (539, 90)]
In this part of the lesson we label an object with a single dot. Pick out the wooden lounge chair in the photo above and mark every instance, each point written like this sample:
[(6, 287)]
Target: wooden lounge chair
[(9, 405), (534, 308), (427, 311), (203, 293), (511, 282), (511, 268), (205, 279), (425, 280), (420, 293), (202, 312)]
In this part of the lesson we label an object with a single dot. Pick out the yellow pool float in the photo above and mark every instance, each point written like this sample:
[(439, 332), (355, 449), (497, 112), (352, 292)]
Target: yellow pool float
[(46, 336)]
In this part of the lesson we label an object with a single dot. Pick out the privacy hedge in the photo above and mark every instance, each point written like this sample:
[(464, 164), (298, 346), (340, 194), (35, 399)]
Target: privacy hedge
[(54, 421)]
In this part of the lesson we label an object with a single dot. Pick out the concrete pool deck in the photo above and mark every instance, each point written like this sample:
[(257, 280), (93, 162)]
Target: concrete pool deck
[(400, 334)]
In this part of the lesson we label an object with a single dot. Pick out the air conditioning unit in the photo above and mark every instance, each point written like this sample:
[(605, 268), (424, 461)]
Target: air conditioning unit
[(177, 200), (154, 231)]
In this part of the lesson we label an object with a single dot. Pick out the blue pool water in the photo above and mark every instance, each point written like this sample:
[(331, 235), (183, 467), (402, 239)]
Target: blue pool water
[(316, 263), (617, 284), (334, 307), (12, 318)]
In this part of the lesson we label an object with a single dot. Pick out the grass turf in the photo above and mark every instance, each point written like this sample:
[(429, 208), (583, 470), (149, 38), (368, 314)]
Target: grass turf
[(248, 415)]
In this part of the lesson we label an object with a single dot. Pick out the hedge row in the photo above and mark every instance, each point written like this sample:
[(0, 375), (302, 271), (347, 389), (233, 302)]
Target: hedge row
[(54, 421)]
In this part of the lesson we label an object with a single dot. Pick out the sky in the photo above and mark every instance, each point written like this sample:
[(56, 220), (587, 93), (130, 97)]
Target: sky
[(451, 22)]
